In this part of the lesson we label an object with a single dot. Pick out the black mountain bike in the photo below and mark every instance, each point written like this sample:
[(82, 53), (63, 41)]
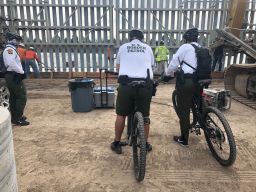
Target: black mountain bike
[(136, 137), (217, 131)]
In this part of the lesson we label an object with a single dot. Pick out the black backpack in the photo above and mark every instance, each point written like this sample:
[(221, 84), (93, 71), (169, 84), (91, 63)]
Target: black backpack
[(204, 62)]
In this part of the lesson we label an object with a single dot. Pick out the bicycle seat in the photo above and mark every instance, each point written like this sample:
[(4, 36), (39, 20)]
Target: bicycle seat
[(204, 82), (137, 83)]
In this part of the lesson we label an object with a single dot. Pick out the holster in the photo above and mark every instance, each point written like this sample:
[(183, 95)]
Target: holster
[(180, 76)]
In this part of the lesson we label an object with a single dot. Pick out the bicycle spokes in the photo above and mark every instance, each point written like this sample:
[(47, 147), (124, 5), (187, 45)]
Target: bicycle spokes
[(218, 136)]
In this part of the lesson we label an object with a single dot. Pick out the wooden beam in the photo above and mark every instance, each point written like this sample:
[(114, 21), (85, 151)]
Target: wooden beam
[(237, 13)]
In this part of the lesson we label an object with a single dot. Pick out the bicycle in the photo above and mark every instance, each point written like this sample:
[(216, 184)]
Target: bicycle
[(136, 136), (203, 118)]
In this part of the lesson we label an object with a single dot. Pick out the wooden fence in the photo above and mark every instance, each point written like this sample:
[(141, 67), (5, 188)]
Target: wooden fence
[(84, 35)]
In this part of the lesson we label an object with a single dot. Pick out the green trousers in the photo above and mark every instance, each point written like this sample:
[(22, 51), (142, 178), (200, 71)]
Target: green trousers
[(18, 96), (185, 92)]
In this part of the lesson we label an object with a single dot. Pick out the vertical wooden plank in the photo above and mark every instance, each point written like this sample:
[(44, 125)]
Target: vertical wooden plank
[(22, 17), (130, 16), (166, 25), (80, 24), (50, 25), (105, 32), (215, 16), (94, 62), (197, 6), (68, 33), (87, 41), (192, 14), (62, 37), (160, 22), (44, 35), (111, 34), (154, 41), (99, 24), (148, 22), (55, 55), (179, 19), (173, 19), (124, 34), (2, 12), (203, 6), (142, 17), (35, 12), (117, 23), (186, 16), (136, 13), (75, 40), (30, 35)]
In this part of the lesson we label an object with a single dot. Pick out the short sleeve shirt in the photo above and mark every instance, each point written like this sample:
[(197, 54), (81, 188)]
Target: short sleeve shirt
[(135, 58)]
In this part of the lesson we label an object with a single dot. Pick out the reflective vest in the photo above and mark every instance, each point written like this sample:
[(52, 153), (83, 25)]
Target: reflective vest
[(161, 53)]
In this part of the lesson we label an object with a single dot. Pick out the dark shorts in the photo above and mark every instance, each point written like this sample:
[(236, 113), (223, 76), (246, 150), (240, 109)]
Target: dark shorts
[(127, 97)]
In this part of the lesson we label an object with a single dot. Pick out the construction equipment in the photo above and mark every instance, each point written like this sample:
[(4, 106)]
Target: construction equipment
[(240, 79)]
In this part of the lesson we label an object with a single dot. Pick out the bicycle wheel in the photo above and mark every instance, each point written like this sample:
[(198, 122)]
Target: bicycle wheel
[(219, 136), (139, 146), (192, 110), (129, 128)]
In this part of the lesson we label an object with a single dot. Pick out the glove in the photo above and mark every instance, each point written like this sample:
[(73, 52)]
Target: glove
[(165, 78)]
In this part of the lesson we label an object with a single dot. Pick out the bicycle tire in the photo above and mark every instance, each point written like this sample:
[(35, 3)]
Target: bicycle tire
[(219, 134), (139, 147), (129, 128), (192, 110)]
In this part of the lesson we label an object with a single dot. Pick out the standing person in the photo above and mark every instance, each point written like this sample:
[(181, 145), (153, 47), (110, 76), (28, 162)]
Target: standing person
[(31, 56), (185, 85), (13, 77), (217, 58), (161, 55), (134, 59), (22, 53)]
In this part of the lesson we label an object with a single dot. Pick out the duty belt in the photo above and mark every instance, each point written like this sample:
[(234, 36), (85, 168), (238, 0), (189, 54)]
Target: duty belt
[(188, 75)]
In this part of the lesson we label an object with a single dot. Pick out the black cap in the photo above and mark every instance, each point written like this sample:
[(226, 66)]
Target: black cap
[(136, 33), (191, 34), (10, 36)]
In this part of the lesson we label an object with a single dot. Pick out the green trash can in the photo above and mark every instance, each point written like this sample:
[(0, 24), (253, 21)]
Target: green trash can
[(81, 94)]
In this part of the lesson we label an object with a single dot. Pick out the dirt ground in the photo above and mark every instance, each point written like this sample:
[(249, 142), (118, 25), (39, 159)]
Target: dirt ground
[(64, 151)]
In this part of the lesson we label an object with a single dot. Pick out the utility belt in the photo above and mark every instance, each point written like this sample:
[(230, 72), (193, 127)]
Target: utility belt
[(11, 72), (188, 75), (17, 77), (181, 76), (134, 82)]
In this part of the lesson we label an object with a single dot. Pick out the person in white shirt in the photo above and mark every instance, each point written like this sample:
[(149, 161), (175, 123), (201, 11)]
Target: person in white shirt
[(185, 85), (13, 77), (135, 60)]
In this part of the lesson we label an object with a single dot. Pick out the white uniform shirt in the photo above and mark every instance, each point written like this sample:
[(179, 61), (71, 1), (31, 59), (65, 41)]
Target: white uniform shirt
[(186, 53), (135, 58), (12, 59)]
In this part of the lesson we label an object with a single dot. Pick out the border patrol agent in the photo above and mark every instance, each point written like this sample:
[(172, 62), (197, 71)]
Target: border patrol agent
[(161, 54), (185, 85), (134, 59), (13, 77)]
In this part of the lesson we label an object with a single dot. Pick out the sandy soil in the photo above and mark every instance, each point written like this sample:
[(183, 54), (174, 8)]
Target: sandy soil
[(63, 151)]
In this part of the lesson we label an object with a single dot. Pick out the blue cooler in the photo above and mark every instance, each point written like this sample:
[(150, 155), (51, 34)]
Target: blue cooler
[(104, 98)]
